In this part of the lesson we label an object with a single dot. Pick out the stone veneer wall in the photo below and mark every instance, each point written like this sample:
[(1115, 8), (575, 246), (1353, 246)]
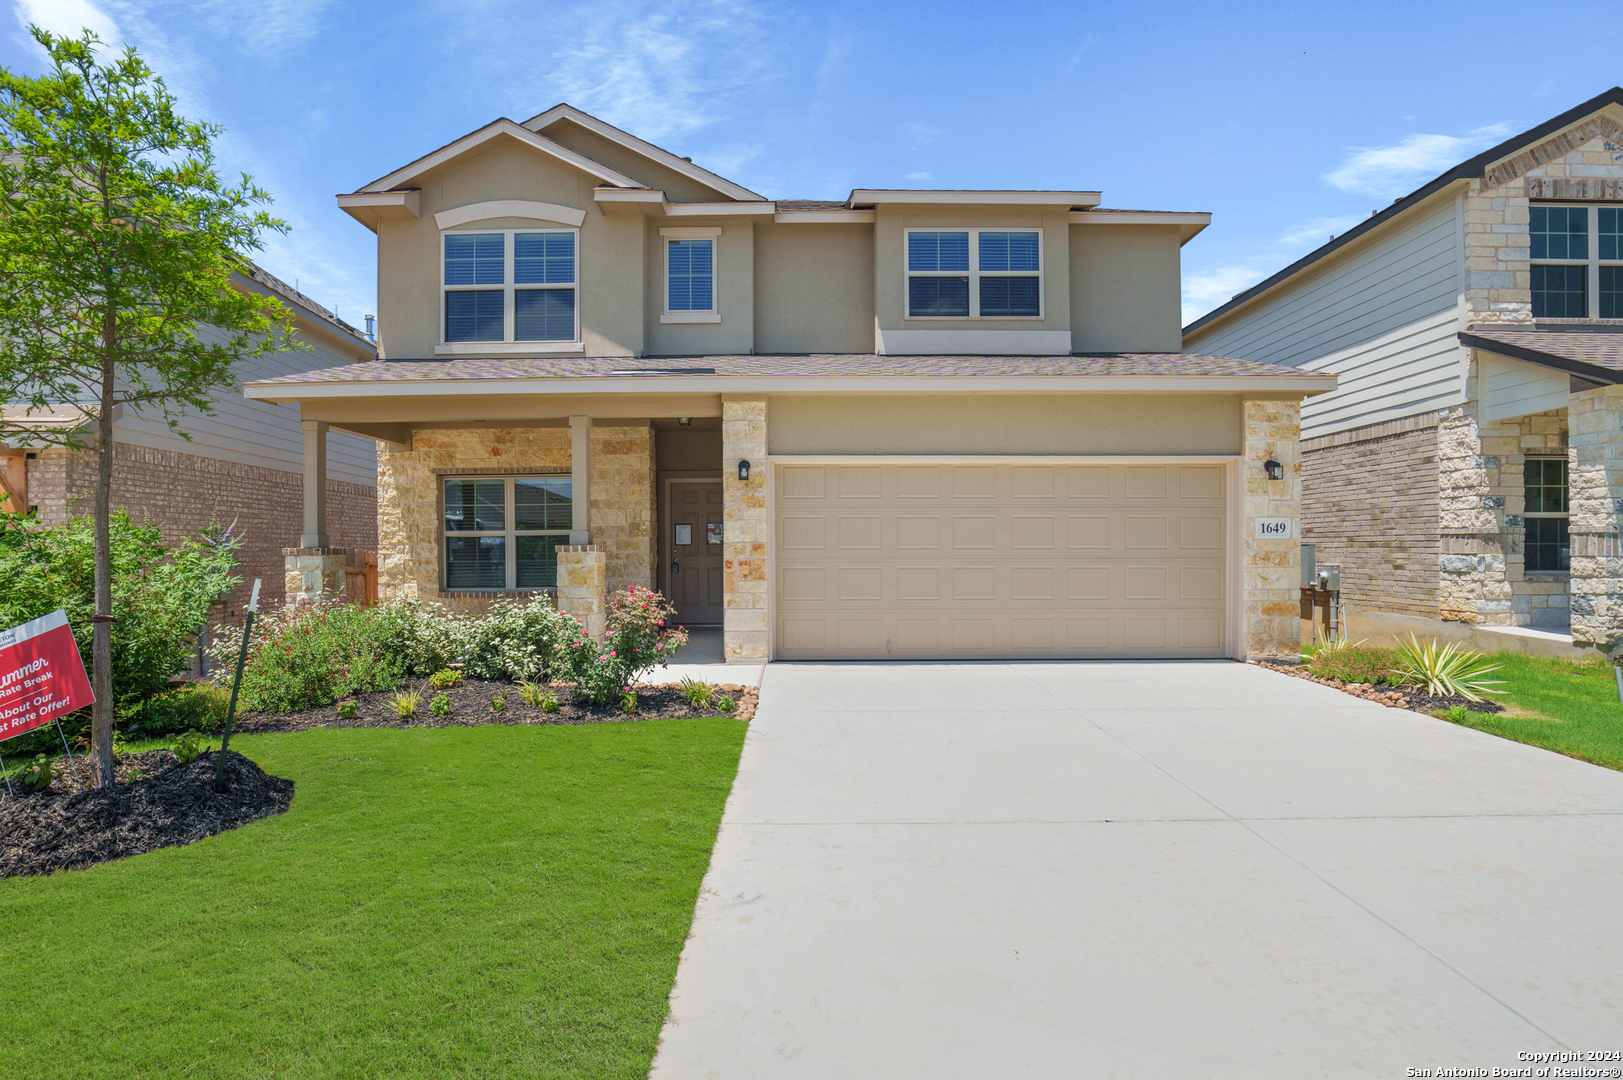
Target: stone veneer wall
[(1596, 481), (408, 500), (185, 493), (1483, 531), (1573, 165), (1370, 504), (743, 438), (1272, 572)]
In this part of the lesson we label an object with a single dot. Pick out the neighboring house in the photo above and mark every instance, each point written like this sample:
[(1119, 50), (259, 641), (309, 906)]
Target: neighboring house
[(906, 424), (242, 466), (1469, 465)]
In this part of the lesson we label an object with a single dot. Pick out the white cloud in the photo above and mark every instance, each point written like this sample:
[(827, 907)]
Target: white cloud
[(1318, 231), (1388, 171), (662, 71), (69, 17), (1204, 291), (1076, 58), (919, 176), (921, 133)]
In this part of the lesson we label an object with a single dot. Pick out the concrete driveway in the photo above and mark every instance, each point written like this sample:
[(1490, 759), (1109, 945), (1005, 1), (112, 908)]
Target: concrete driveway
[(1141, 870)]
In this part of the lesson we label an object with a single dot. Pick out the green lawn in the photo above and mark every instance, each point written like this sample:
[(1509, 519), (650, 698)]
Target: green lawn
[(1567, 707), (454, 902)]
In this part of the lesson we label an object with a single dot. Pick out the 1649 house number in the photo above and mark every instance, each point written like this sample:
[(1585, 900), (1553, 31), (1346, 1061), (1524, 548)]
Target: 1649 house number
[(1275, 528)]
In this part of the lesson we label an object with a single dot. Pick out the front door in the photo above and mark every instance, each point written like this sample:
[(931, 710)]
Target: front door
[(694, 541)]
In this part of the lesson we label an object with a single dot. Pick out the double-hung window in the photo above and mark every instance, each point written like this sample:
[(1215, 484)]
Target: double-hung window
[(690, 274), (510, 286), (1544, 481), (1577, 261), (974, 274), (502, 532)]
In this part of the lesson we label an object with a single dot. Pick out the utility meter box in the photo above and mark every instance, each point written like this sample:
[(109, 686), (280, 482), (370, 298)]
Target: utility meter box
[(1330, 578), (1310, 569)]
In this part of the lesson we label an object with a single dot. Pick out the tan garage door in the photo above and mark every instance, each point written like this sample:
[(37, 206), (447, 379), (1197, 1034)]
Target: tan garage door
[(906, 560)]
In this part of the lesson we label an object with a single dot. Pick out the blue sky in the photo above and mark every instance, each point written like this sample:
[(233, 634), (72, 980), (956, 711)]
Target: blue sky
[(1289, 122)]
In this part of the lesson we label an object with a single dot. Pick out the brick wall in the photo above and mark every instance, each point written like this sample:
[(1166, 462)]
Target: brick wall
[(185, 493), (1370, 504)]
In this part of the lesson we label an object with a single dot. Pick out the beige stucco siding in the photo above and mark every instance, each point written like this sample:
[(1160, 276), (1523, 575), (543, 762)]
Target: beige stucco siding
[(1124, 288), (611, 255), (814, 288), (890, 264), (1164, 424), (735, 293), (677, 188)]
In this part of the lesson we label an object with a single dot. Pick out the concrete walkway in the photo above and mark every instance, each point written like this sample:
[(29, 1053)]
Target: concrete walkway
[(1141, 870)]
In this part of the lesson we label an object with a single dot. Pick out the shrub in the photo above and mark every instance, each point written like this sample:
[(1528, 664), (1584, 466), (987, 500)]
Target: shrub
[(636, 638), (348, 707), (406, 704), (628, 702), (193, 706), (440, 704), (309, 654), (1444, 671), (444, 679), (498, 702), (724, 704), (514, 640), (37, 774), (189, 747), (1457, 713), (1355, 664), (162, 593), (549, 704), (698, 692)]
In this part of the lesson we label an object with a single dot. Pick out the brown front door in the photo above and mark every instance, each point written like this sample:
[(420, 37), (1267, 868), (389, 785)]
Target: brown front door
[(694, 542)]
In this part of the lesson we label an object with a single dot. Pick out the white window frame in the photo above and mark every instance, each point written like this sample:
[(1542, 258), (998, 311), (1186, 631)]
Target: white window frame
[(509, 321), (511, 533), (1592, 264), (975, 275), (691, 233)]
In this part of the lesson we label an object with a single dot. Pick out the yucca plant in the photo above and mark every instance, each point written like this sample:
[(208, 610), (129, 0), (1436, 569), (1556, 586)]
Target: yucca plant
[(1445, 670), (1323, 643)]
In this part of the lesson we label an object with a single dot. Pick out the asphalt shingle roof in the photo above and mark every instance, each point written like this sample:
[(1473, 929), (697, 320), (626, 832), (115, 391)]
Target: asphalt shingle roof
[(1594, 353), (842, 365)]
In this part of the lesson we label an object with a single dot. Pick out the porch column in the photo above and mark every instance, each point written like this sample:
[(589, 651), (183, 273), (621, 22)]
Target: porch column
[(1595, 467), (582, 577), (580, 476), (314, 571), (1272, 574), (744, 530), (315, 484)]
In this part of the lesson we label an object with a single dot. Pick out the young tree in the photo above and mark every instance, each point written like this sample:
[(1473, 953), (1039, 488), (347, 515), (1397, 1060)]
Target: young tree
[(117, 247)]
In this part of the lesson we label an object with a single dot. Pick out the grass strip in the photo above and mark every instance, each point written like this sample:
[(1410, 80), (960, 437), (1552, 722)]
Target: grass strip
[(1562, 705), (470, 902)]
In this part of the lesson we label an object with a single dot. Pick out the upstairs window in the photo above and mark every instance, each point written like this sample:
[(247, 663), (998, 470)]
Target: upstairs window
[(690, 275), (510, 286), (1548, 511), (974, 274), (1577, 261), (502, 532)]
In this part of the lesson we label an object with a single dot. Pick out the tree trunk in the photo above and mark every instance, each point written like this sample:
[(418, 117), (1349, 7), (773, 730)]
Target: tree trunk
[(101, 727)]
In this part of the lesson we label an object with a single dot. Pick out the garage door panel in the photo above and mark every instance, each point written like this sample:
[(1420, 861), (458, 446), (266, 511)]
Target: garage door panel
[(1001, 561)]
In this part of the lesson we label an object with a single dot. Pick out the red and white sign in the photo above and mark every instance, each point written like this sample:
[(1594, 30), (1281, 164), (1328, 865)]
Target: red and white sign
[(42, 677)]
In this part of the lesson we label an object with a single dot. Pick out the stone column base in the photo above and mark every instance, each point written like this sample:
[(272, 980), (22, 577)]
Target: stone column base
[(315, 573), (582, 573)]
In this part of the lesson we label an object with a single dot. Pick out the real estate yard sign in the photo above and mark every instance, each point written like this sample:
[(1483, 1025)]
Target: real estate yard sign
[(42, 677)]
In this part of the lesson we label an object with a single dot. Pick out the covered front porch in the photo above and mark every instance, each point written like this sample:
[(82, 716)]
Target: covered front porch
[(485, 495)]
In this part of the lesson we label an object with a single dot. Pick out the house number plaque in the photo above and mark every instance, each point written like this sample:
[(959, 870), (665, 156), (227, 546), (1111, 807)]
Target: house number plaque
[(1274, 528)]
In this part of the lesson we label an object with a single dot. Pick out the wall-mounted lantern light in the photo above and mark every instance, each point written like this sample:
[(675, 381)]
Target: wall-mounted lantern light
[(684, 421), (743, 471), (1276, 471)]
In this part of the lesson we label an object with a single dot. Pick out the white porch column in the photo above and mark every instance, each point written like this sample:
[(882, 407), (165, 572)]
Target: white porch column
[(580, 475), (315, 484)]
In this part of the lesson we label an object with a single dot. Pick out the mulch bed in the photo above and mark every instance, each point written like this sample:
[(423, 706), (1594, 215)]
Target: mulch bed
[(154, 802), (470, 706), (1398, 697)]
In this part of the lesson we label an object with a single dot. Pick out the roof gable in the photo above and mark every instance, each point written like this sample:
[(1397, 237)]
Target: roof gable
[(501, 128), (567, 114), (1495, 166)]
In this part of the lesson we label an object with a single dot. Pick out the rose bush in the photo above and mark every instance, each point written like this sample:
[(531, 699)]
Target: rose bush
[(637, 636)]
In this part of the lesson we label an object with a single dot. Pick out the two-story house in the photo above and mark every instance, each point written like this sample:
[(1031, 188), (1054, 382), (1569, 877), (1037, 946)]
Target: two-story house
[(1468, 469), (906, 424)]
